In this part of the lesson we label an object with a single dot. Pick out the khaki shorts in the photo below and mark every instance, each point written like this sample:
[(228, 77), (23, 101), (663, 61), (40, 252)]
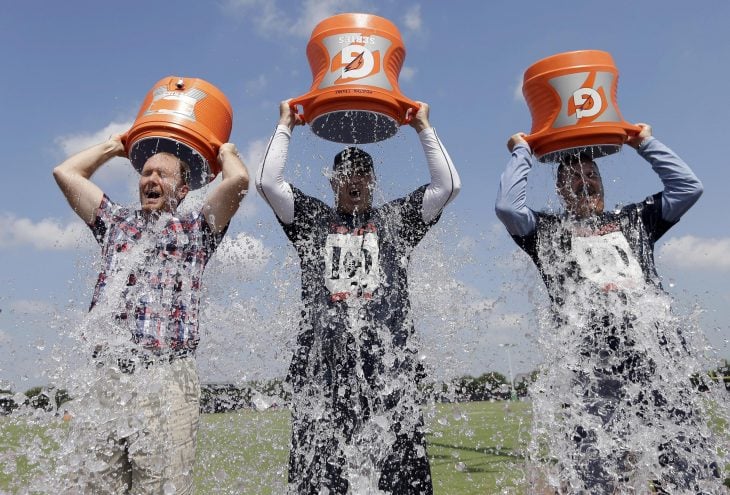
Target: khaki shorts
[(135, 430)]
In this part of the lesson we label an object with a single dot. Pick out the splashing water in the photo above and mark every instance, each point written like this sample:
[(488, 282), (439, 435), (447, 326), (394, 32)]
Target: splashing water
[(616, 407)]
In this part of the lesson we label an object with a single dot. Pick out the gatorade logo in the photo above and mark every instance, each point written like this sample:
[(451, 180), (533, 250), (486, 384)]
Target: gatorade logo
[(175, 102), (356, 59), (355, 62), (589, 102)]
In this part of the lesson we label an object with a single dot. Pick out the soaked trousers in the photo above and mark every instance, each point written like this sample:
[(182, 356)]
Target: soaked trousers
[(135, 431), (618, 388), (318, 462), (357, 426)]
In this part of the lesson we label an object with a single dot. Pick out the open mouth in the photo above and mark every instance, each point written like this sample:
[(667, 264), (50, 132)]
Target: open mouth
[(355, 193), (152, 195)]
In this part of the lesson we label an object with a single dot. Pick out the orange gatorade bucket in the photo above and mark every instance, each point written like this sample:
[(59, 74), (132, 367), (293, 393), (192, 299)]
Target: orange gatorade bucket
[(356, 60), (572, 100), (187, 117)]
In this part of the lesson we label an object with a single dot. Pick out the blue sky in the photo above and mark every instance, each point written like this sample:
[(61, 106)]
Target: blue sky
[(74, 72)]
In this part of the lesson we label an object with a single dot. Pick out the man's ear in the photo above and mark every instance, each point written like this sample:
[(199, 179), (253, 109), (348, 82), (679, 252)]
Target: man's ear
[(181, 192)]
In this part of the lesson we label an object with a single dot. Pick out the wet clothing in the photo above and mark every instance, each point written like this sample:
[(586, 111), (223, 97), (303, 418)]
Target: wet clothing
[(356, 420), (156, 267), (135, 427), (610, 326)]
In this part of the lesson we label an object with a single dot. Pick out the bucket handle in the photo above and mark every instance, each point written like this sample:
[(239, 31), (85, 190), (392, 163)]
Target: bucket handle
[(632, 129), (124, 138), (408, 107), (301, 101)]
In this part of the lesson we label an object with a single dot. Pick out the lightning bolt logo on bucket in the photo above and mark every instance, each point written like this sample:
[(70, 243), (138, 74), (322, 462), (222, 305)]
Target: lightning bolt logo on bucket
[(356, 59), (359, 62), (589, 102)]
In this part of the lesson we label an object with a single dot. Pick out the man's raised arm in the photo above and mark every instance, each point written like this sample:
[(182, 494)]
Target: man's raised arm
[(74, 174), (270, 181), (223, 202), (511, 206), (445, 182), (682, 188)]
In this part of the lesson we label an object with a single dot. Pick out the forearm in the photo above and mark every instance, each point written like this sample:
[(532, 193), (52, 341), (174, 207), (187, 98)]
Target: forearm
[(235, 174), (224, 201), (73, 177), (682, 188), (85, 163), (445, 182), (270, 181), (511, 206)]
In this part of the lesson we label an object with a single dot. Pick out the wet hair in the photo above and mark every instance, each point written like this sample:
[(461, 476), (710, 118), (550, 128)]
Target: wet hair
[(353, 160)]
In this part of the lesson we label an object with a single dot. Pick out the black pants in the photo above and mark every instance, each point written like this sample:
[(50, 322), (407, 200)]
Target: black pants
[(615, 365), (338, 410)]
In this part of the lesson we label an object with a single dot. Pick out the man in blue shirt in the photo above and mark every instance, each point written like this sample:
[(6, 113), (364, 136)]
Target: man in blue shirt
[(611, 337)]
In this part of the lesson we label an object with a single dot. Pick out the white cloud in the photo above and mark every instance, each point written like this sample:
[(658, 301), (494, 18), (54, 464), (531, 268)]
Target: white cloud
[(698, 253), (44, 235), (117, 170), (517, 89), (74, 143), (407, 73), (271, 19), (253, 154), (412, 18)]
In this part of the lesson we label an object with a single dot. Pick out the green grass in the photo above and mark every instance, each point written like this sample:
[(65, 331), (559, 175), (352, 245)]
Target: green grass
[(23, 447), (475, 448)]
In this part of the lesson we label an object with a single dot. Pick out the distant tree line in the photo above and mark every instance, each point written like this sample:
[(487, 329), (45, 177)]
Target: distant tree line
[(49, 399), (265, 394)]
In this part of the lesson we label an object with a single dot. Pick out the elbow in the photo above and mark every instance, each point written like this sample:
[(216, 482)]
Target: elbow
[(503, 209), (457, 185), (242, 183), (697, 190), (238, 180), (455, 189), (258, 182), (58, 174)]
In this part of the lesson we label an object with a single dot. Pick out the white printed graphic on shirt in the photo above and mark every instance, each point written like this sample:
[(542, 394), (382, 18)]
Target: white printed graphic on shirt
[(607, 259), (352, 266)]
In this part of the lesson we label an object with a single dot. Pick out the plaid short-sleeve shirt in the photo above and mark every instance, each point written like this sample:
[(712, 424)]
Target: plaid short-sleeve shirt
[(151, 273)]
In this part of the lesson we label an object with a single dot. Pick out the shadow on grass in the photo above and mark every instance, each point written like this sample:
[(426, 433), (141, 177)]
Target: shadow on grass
[(492, 451), (493, 457)]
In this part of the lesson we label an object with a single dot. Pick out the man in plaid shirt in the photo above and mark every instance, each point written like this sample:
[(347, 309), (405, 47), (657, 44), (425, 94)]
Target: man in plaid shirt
[(135, 431)]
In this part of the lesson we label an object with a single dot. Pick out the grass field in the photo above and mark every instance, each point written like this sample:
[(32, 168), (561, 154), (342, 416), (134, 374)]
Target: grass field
[(475, 448)]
